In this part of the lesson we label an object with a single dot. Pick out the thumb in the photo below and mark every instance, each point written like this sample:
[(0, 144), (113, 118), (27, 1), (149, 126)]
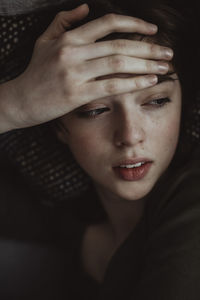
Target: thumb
[(63, 20)]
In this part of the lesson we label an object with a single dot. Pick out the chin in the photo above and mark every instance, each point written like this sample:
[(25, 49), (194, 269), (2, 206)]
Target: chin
[(132, 193)]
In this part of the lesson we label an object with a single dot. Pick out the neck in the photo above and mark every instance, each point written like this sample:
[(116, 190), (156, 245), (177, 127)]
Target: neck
[(123, 215)]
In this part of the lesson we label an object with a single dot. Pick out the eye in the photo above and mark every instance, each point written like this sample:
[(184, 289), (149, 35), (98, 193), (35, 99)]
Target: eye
[(160, 102), (92, 113)]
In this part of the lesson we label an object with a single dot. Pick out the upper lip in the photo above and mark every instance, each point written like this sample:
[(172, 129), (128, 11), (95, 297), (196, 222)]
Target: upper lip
[(132, 161)]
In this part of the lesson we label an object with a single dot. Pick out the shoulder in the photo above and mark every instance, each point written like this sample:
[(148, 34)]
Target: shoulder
[(178, 190), (171, 267), (173, 212)]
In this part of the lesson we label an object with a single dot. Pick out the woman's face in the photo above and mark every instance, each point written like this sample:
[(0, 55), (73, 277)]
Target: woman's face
[(126, 142)]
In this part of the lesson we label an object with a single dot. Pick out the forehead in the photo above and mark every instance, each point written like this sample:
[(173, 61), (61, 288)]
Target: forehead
[(168, 85), (170, 76)]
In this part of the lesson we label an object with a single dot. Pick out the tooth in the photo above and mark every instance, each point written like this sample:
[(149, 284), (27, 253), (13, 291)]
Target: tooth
[(132, 166), (138, 164)]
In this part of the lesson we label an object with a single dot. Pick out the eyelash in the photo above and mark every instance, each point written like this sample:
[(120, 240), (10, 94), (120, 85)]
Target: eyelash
[(163, 101), (160, 102), (92, 113)]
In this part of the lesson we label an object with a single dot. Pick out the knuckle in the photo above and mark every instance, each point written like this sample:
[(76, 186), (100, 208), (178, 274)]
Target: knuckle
[(61, 53), (111, 19), (138, 22), (118, 44), (111, 86), (65, 53), (67, 37), (149, 65), (152, 48), (138, 83), (60, 15), (116, 63), (64, 77)]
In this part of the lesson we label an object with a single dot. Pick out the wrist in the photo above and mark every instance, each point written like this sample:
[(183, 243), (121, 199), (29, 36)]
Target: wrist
[(9, 112)]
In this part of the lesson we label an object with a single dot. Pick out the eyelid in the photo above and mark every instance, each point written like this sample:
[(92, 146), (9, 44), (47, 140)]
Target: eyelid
[(92, 113), (156, 97), (164, 101), (86, 107)]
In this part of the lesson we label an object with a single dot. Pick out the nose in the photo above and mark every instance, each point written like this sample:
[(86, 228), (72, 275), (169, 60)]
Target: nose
[(129, 130)]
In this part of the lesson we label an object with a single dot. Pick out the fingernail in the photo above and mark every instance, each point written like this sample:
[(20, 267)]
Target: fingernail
[(152, 79), (163, 68), (168, 53), (153, 28)]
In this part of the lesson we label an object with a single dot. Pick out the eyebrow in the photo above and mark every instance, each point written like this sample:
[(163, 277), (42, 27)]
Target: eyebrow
[(161, 78), (166, 77)]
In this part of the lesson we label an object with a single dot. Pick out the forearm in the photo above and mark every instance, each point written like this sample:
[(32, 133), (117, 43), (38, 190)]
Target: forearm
[(8, 107)]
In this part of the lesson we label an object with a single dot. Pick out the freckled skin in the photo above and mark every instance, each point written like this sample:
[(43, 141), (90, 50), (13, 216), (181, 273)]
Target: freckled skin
[(128, 130)]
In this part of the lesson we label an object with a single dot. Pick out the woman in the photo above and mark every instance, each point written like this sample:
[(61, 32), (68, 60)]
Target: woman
[(146, 241), (138, 228)]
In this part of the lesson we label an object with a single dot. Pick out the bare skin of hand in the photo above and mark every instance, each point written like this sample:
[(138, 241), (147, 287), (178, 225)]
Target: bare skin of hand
[(64, 67)]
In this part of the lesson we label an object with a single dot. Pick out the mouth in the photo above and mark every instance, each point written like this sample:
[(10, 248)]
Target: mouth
[(133, 170), (130, 166)]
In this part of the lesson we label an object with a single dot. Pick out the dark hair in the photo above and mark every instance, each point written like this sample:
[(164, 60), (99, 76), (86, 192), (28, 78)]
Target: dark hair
[(176, 30)]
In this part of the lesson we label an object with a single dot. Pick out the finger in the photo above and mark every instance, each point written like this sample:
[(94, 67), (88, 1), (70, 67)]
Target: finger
[(63, 21), (126, 47), (121, 64), (115, 86), (98, 28)]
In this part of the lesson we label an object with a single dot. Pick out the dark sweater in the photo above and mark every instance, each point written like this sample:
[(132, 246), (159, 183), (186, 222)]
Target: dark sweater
[(160, 259)]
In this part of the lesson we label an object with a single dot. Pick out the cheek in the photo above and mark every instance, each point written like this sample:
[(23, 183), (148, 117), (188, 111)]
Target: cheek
[(172, 131), (88, 137), (170, 139), (166, 135), (85, 144), (173, 126), (167, 124)]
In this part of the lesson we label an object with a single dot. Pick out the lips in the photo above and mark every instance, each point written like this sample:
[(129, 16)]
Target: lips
[(133, 170)]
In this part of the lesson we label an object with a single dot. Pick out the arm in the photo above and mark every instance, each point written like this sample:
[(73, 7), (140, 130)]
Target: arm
[(62, 73)]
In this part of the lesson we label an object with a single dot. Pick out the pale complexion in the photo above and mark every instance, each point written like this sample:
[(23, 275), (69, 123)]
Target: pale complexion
[(61, 77), (141, 124)]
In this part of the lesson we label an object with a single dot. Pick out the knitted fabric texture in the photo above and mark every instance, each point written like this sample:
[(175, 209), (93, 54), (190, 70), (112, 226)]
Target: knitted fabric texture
[(44, 162), (18, 7)]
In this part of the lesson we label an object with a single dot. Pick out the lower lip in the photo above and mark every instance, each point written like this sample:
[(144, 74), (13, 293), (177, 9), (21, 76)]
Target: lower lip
[(133, 174)]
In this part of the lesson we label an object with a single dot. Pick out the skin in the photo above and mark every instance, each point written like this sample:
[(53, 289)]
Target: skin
[(69, 70), (65, 64), (130, 127), (109, 136)]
